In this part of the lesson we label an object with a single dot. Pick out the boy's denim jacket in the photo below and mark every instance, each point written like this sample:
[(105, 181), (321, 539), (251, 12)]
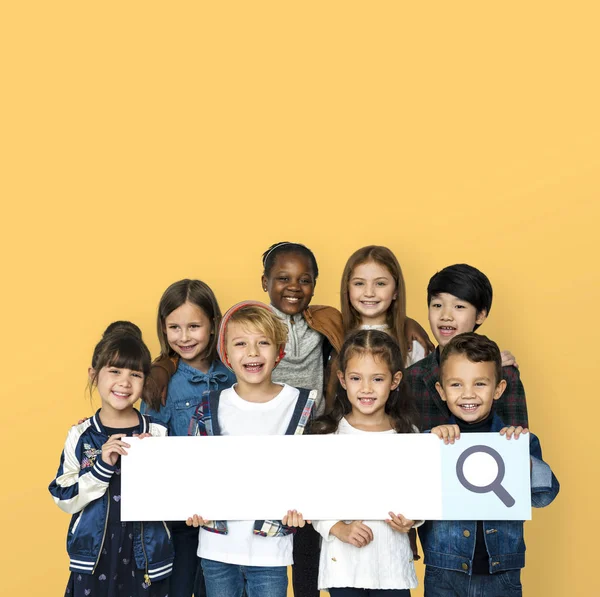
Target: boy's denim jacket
[(203, 423), (450, 544)]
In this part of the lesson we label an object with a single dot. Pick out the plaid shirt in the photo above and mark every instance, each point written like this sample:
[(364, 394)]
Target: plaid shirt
[(422, 376), (203, 423)]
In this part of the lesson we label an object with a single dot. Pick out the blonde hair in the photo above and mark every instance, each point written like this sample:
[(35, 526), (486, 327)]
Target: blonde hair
[(256, 315), (266, 322)]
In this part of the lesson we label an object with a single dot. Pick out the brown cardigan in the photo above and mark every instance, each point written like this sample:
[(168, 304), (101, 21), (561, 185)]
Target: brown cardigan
[(328, 321)]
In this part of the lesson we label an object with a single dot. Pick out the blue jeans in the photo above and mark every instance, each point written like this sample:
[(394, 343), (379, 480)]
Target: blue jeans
[(452, 583), (187, 577), (228, 580), (352, 592)]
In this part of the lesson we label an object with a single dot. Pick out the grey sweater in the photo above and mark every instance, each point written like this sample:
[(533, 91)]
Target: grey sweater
[(302, 366)]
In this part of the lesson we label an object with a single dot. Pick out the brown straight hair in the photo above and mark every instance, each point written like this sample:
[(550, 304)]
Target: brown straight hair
[(197, 293), (396, 314)]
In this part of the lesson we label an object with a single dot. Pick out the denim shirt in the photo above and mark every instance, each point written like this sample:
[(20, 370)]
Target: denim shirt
[(450, 544), (184, 394)]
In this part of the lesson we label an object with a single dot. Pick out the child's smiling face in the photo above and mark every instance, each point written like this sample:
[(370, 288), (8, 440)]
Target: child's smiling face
[(450, 316), (368, 382), (119, 388), (251, 354), (371, 291), (468, 388), (291, 283), (188, 331)]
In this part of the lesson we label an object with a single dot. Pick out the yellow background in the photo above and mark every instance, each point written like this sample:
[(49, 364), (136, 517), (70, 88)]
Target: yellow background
[(144, 142)]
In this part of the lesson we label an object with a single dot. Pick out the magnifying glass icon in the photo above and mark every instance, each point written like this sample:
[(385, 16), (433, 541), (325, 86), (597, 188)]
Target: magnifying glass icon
[(495, 485)]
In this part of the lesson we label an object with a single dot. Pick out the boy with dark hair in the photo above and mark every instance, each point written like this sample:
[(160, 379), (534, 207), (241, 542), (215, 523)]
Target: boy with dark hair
[(459, 298), (478, 558)]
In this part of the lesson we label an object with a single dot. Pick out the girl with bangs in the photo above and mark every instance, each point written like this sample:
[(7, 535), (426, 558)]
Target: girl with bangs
[(110, 558)]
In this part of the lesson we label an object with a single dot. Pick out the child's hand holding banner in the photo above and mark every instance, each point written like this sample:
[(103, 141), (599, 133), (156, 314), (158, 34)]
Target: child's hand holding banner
[(482, 476)]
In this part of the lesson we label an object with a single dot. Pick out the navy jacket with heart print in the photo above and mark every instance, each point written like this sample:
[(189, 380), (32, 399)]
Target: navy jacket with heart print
[(81, 488)]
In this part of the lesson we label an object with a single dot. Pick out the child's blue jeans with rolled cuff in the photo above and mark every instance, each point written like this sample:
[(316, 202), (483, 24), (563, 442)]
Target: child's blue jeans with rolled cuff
[(452, 583), (228, 580)]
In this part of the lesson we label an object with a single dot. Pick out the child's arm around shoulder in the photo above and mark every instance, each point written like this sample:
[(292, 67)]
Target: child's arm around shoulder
[(71, 490), (163, 368), (513, 401), (417, 353), (414, 332), (328, 322)]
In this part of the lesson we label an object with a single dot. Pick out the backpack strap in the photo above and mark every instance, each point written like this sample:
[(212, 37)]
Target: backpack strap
[(202, 422), (302, 412)]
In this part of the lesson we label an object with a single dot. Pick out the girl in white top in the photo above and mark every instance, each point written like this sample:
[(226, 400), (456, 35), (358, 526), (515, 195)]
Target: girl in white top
[(374, 557), (373, 297)]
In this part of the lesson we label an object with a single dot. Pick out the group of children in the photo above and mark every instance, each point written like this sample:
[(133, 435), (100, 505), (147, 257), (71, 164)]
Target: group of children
[(294, 368)]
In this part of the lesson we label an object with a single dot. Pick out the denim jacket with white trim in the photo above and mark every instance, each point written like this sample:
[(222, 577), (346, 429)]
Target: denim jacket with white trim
[(450, 544)]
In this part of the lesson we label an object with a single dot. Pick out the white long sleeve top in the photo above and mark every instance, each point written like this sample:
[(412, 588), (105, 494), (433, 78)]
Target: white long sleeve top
[(385, 563)]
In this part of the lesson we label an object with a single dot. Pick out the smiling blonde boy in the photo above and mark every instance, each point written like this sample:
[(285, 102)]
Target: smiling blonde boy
[(252, 553)]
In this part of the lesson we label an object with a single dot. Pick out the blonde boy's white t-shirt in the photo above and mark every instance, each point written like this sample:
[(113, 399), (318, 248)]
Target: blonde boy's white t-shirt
[(241, 546)]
